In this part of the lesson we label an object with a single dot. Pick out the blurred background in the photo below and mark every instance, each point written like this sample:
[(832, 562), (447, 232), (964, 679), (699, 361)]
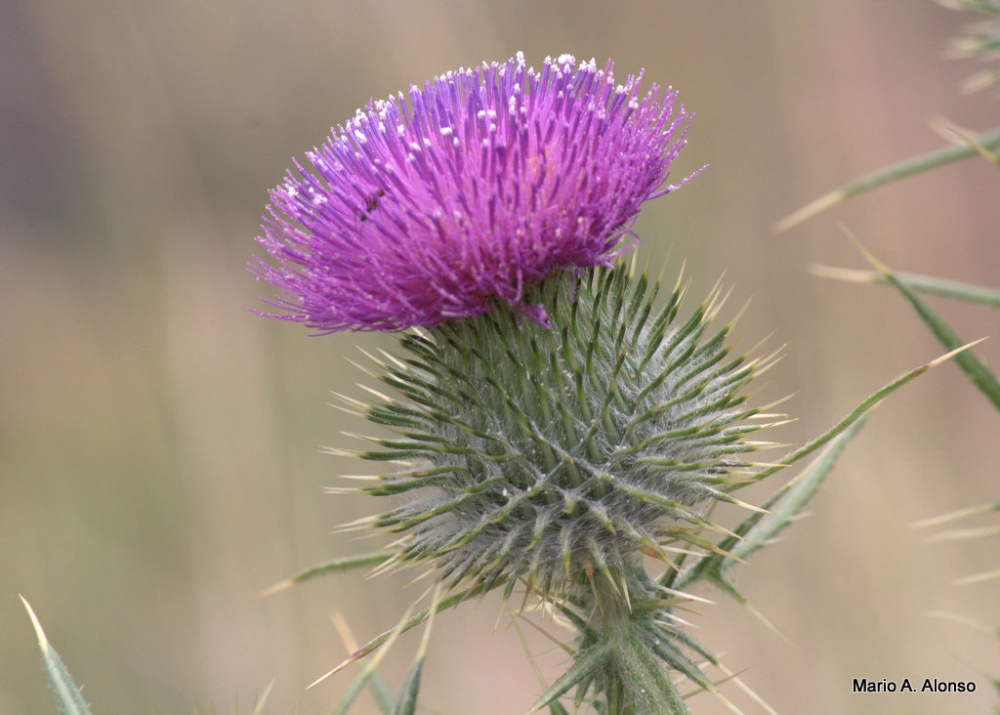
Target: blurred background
[(160, 446)]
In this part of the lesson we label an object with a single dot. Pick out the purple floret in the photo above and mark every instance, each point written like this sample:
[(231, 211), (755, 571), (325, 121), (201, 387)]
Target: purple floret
[(439, 205)]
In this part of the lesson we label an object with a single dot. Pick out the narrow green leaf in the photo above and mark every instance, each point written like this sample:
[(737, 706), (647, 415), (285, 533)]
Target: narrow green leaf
[(986, 142), (973, 368), (557, 708), (67, 693)]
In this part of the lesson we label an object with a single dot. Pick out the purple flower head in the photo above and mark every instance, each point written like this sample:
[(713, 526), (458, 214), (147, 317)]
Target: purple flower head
[(485, 181)]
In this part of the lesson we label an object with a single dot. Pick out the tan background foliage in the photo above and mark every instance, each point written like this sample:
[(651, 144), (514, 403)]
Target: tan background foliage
[(159, 445)]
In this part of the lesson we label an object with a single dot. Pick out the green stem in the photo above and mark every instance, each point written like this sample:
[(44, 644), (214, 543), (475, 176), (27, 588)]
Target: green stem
[(636, 678)]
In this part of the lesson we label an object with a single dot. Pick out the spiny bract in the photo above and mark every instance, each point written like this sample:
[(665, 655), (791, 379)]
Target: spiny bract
[(548, 454)]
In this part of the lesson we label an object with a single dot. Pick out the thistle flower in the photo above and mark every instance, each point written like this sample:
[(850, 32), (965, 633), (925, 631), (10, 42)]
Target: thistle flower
[(552, 452), (480, 186)]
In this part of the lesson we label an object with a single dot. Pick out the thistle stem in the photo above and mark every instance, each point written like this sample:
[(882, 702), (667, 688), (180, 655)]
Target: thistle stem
[(625, 613)]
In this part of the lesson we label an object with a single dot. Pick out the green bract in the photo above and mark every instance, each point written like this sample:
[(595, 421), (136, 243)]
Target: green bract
[(546, 455)]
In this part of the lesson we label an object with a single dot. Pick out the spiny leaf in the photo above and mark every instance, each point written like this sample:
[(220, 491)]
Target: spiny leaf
[(585, 666), (803, 488), (67, 693), (856, 414), (975, 370), (651, 689), (660, 651), (677, 578)]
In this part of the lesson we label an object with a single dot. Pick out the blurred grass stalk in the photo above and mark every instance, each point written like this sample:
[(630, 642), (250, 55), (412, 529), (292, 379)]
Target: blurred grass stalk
[(910, 285), (917, 282), (984, 144)]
